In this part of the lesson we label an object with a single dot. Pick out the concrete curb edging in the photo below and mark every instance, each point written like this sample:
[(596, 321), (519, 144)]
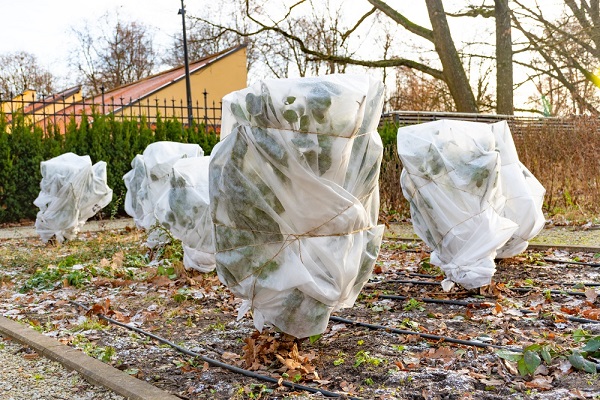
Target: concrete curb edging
[(93, 370)]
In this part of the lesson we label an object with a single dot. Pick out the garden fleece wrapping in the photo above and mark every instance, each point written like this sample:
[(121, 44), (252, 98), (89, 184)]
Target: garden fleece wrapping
[(294, 197)]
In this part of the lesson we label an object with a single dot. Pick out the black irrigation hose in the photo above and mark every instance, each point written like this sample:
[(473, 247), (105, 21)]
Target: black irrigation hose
[(424, 335), (434, 301), (553, 291), (475, 305), (217, 363), (586, 284), (430, 336), (589, 264), (517, 289)]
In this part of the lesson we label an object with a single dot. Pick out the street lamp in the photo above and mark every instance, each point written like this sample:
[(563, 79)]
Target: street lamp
[(188, 88)]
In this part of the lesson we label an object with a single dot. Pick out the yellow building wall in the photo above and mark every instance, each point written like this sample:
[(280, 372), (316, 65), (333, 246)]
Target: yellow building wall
[(218, 79), (18, 102)]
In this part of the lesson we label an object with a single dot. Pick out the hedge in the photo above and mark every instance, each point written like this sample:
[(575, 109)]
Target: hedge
[(23, 146), (564, 157)]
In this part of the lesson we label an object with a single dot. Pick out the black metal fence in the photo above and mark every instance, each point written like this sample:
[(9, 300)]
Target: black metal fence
[(58, 110), (516, 123)]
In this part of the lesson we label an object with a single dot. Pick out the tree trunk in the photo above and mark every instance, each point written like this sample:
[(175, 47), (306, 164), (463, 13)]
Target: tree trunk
[(504, 64), (454, 73)]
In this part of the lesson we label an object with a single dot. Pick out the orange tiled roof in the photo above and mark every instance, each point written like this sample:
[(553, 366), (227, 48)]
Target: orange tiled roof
[(140, 90), (146, 87)]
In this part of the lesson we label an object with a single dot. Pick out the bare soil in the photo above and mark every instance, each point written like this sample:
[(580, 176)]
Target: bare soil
[(112, 273)]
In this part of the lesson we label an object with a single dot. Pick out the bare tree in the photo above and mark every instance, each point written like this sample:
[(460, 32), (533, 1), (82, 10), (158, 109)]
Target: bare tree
[(504, 59), (202, 40), (567, 50), (418, 91), (20, 71), (122, 53), (329, 49)]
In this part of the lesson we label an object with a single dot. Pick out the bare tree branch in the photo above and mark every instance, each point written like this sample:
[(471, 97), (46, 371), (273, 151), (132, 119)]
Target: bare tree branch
[(402, 20)]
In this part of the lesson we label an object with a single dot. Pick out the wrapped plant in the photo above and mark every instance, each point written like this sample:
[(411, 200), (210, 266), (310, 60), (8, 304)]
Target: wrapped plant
[(72, 191), (294, 197), (455, 177), (168, 186)]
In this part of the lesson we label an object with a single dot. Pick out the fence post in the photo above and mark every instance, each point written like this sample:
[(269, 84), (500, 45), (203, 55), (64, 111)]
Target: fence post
[(102, 90), (64, 112), (205, 94), (43, 113)]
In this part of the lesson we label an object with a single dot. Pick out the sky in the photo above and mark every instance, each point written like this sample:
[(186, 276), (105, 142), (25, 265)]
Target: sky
[(41, 27)]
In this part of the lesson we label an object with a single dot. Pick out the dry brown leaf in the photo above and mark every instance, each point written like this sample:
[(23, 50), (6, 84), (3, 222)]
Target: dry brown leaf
[(440, 352), (497, 310), (511, 367), (570, 310), (31, 356), (594, 313), (591, 295), (492, 382), (229, 356), (578, 394), (161, 280), (119, 316), (540, 383)]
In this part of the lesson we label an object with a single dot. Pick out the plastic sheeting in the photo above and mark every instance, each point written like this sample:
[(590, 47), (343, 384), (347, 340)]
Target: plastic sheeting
[(456, 183), (72, 191), (294, 197), (168, 186)]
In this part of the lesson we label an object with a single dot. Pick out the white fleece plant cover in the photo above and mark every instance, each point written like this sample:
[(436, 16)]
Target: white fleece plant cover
[(456, 181), (168, 186), (183, 210), (524, 194), (294, 197), (72, 191)]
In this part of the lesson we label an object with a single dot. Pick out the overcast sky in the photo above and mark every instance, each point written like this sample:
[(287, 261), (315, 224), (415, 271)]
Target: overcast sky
[(41, 27)]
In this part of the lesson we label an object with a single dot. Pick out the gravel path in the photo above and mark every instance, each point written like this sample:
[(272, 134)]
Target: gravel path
[(25, 375)]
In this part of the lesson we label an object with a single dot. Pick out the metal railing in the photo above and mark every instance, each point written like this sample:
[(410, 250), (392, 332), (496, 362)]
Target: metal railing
[(58, 111), (401, 118)]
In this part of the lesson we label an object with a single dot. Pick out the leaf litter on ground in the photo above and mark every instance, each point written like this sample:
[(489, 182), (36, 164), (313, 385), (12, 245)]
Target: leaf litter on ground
[(196, 311)]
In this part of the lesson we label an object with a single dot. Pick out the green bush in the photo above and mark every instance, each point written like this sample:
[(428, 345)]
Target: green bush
[(103, 137), (562, 156)]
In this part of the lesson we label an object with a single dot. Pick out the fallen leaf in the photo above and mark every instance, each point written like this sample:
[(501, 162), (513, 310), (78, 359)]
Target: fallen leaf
[(31, 356), (492, 382), (591, 295), (570, 310), (540, 383), (594, 313), (229, 356)]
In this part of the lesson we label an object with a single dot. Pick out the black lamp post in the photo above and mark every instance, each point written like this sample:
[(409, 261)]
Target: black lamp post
[(188, 87)]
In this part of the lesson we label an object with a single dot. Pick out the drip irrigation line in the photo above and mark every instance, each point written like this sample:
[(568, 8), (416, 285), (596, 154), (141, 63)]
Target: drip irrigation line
[(554, 260), (424, 335), (430, 336), (516, 289), (217, 363), (434, 301), (476, 305), (553, 291), (585, 284)]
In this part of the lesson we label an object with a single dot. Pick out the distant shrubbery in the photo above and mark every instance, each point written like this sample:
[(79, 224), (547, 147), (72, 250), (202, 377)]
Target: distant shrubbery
[(116, 141), (564, 157)]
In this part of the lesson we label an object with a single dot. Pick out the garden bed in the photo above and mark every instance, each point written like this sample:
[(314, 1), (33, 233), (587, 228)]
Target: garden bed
[(527, 308)]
